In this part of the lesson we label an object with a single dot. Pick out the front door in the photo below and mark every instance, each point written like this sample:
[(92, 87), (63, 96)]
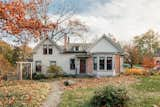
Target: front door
[(82, 66)]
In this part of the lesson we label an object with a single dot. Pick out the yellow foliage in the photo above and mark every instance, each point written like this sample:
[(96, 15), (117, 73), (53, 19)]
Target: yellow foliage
[(135, 71), (5, 66)]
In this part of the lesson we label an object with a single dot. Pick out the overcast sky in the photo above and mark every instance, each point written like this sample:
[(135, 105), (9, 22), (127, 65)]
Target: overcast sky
[(123, 18)]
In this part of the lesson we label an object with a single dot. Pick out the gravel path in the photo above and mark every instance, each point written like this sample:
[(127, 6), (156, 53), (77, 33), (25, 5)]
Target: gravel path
[(53, 98)]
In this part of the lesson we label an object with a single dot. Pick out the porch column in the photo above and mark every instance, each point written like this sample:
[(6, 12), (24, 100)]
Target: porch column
[(20, 71), (31, 70)]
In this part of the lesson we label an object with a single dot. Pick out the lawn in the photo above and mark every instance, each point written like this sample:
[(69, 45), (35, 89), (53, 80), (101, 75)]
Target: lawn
[(143, 91), (23, 93)]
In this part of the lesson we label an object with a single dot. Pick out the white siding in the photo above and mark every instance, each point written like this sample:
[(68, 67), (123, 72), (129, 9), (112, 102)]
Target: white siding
[(62, 60), (103, 46)]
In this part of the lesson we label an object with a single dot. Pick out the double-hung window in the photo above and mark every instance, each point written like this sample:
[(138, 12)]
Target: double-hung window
[(50, 50), (45, 49), (109, 63), (95, 63), (38, 66), (52, 62), (101, 63), (72, 64)]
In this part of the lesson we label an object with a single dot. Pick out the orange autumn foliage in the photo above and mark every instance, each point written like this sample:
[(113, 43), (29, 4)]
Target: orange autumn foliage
[(148, 62), (135, 71), (15, 18), (5, 66)]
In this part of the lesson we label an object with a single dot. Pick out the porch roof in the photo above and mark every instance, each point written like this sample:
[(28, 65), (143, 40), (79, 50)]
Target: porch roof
[(83, 55)]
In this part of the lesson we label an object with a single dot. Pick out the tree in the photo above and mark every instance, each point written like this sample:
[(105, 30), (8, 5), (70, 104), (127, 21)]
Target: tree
[(6, 51), (5, 66), (147, 43), (23, 21), (132, 55), (148, 62), (16, 55)]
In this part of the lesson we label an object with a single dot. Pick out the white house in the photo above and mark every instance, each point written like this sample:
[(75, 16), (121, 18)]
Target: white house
[(103, 57)]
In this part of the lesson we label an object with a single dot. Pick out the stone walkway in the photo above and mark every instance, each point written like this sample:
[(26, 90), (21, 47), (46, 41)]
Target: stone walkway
[(54, 97)]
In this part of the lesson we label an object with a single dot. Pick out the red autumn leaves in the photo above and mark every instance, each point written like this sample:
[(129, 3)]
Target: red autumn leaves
[(19, 16)]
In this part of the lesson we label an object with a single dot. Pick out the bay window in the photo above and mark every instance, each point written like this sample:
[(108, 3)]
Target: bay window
[(102, 63), (109, 63), (95, 63)]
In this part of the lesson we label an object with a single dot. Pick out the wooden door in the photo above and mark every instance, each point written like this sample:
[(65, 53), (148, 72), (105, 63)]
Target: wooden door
[(82, 66)]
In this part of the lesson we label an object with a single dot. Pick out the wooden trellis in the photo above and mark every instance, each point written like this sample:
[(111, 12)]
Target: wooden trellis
[(20, 66)]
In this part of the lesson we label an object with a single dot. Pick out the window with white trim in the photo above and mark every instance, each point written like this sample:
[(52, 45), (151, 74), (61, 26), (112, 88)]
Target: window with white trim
[(95, 63), (52, 62), (38, 66), (45, 49), (50, 50), (72, 64), (101, 63), (109, 63)]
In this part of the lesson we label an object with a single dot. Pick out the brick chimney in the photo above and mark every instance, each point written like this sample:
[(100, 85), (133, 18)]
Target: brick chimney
[(65, 42)]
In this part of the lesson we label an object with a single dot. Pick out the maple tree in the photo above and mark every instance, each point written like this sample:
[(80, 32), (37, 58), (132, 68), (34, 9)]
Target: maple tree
[(19, 16), (24, 21)]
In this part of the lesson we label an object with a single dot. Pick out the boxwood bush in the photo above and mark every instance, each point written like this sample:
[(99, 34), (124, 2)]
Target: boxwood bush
[(110, 96)]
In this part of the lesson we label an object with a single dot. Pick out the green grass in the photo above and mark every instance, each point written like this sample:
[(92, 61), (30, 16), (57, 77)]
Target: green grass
[(144, 93), (77, 98)]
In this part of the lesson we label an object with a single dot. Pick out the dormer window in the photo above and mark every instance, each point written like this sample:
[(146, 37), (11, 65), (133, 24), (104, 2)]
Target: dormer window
[(45, 49), (50, 50)]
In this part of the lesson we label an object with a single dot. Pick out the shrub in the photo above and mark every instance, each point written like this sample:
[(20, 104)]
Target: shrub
[(55, 70), (135, 71), (110, 97), (38, 76)]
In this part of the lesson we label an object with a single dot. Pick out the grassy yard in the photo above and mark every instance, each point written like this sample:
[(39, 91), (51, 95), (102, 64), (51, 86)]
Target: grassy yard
[(143, 91), (23, 93)]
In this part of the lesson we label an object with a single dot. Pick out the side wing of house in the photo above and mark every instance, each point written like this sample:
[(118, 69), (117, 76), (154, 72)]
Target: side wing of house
[(106, 57), (47, 53)]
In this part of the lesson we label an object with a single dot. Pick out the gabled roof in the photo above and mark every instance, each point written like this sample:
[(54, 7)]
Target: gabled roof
[(43, 40), (116, 45)]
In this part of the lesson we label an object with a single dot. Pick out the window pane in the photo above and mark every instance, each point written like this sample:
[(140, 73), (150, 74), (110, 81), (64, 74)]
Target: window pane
[(38, 66), (72, 64), (101, 63), (76, 48), (50, 49), (44, 49), (109, 63), (95, 63), (52, 62)]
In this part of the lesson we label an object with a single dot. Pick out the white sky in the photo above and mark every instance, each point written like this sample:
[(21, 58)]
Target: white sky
[(122, 18)]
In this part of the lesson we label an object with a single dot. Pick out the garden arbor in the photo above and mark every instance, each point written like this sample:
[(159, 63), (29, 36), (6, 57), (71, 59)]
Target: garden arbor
[(24, 70)]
